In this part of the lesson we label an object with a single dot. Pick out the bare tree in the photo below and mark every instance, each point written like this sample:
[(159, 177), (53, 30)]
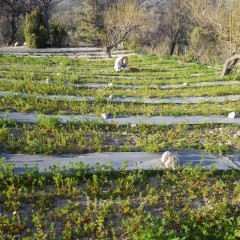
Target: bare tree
[(220, 18), (11, 11), (178, 24), (208, 13), (120, 20), (234, 25), (174, 26)]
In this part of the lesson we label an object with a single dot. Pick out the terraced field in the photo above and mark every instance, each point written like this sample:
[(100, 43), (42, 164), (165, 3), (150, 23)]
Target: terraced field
[(136, 103), (65, 107)]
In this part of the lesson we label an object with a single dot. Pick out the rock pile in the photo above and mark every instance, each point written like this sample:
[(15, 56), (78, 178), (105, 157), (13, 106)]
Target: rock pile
[(170, 160)]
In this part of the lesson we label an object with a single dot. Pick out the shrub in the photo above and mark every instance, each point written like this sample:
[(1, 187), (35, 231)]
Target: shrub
[(35, 30), (58, 35), (204, 45)]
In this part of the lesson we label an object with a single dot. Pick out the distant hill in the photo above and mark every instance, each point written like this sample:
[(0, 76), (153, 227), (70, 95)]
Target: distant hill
[(66, 5)]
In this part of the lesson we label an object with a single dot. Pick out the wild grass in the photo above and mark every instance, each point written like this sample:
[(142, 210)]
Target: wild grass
[(100, 105), (62, 88), (49, 136), (80, 202)]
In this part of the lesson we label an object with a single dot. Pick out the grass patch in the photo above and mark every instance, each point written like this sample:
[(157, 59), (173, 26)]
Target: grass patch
[(77, 202)]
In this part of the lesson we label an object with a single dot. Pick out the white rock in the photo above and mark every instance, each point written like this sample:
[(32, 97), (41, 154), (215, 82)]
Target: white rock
[(16, 44), (105, 115), (232, 115), (47, 81), (165, 156), (25, 44), (110, 85), (185, 84), (110, 97), (172, 162)]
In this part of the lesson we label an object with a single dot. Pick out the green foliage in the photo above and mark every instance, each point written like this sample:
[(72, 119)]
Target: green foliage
[(35, 30), (90, 29), (48, 123), (153, 230), (79, 202), (204, 46), (84, 202), (4, 133), (58, 35)]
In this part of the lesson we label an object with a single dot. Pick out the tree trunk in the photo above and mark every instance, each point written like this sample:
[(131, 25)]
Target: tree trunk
[(174, 42), (108, 51), (13, 32), (172, 47), (46, 21), (229, 64)]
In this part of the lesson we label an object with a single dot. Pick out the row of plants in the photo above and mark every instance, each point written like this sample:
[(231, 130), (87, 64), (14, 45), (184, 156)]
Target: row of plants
[(83, 202), (114, 78), (108, 75), (49, 136), (145, 69), (145, 92), (78, 62), (65, 66), (101, 105)]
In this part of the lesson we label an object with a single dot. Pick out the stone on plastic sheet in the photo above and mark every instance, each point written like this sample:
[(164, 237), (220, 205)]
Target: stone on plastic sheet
[(170, 160), (165, 156), (232, 115), (110, 85), (105, 115), (110, 97)]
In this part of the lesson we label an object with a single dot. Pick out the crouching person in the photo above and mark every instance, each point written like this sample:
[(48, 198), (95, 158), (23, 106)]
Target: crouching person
[(121, 63)]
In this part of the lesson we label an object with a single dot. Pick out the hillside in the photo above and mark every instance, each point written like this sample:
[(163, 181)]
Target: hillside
[(65, 5)]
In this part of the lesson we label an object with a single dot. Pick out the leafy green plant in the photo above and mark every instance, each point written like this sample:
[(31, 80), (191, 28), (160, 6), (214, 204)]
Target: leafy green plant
[(35, 30), (48, 122), (58, 35)]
